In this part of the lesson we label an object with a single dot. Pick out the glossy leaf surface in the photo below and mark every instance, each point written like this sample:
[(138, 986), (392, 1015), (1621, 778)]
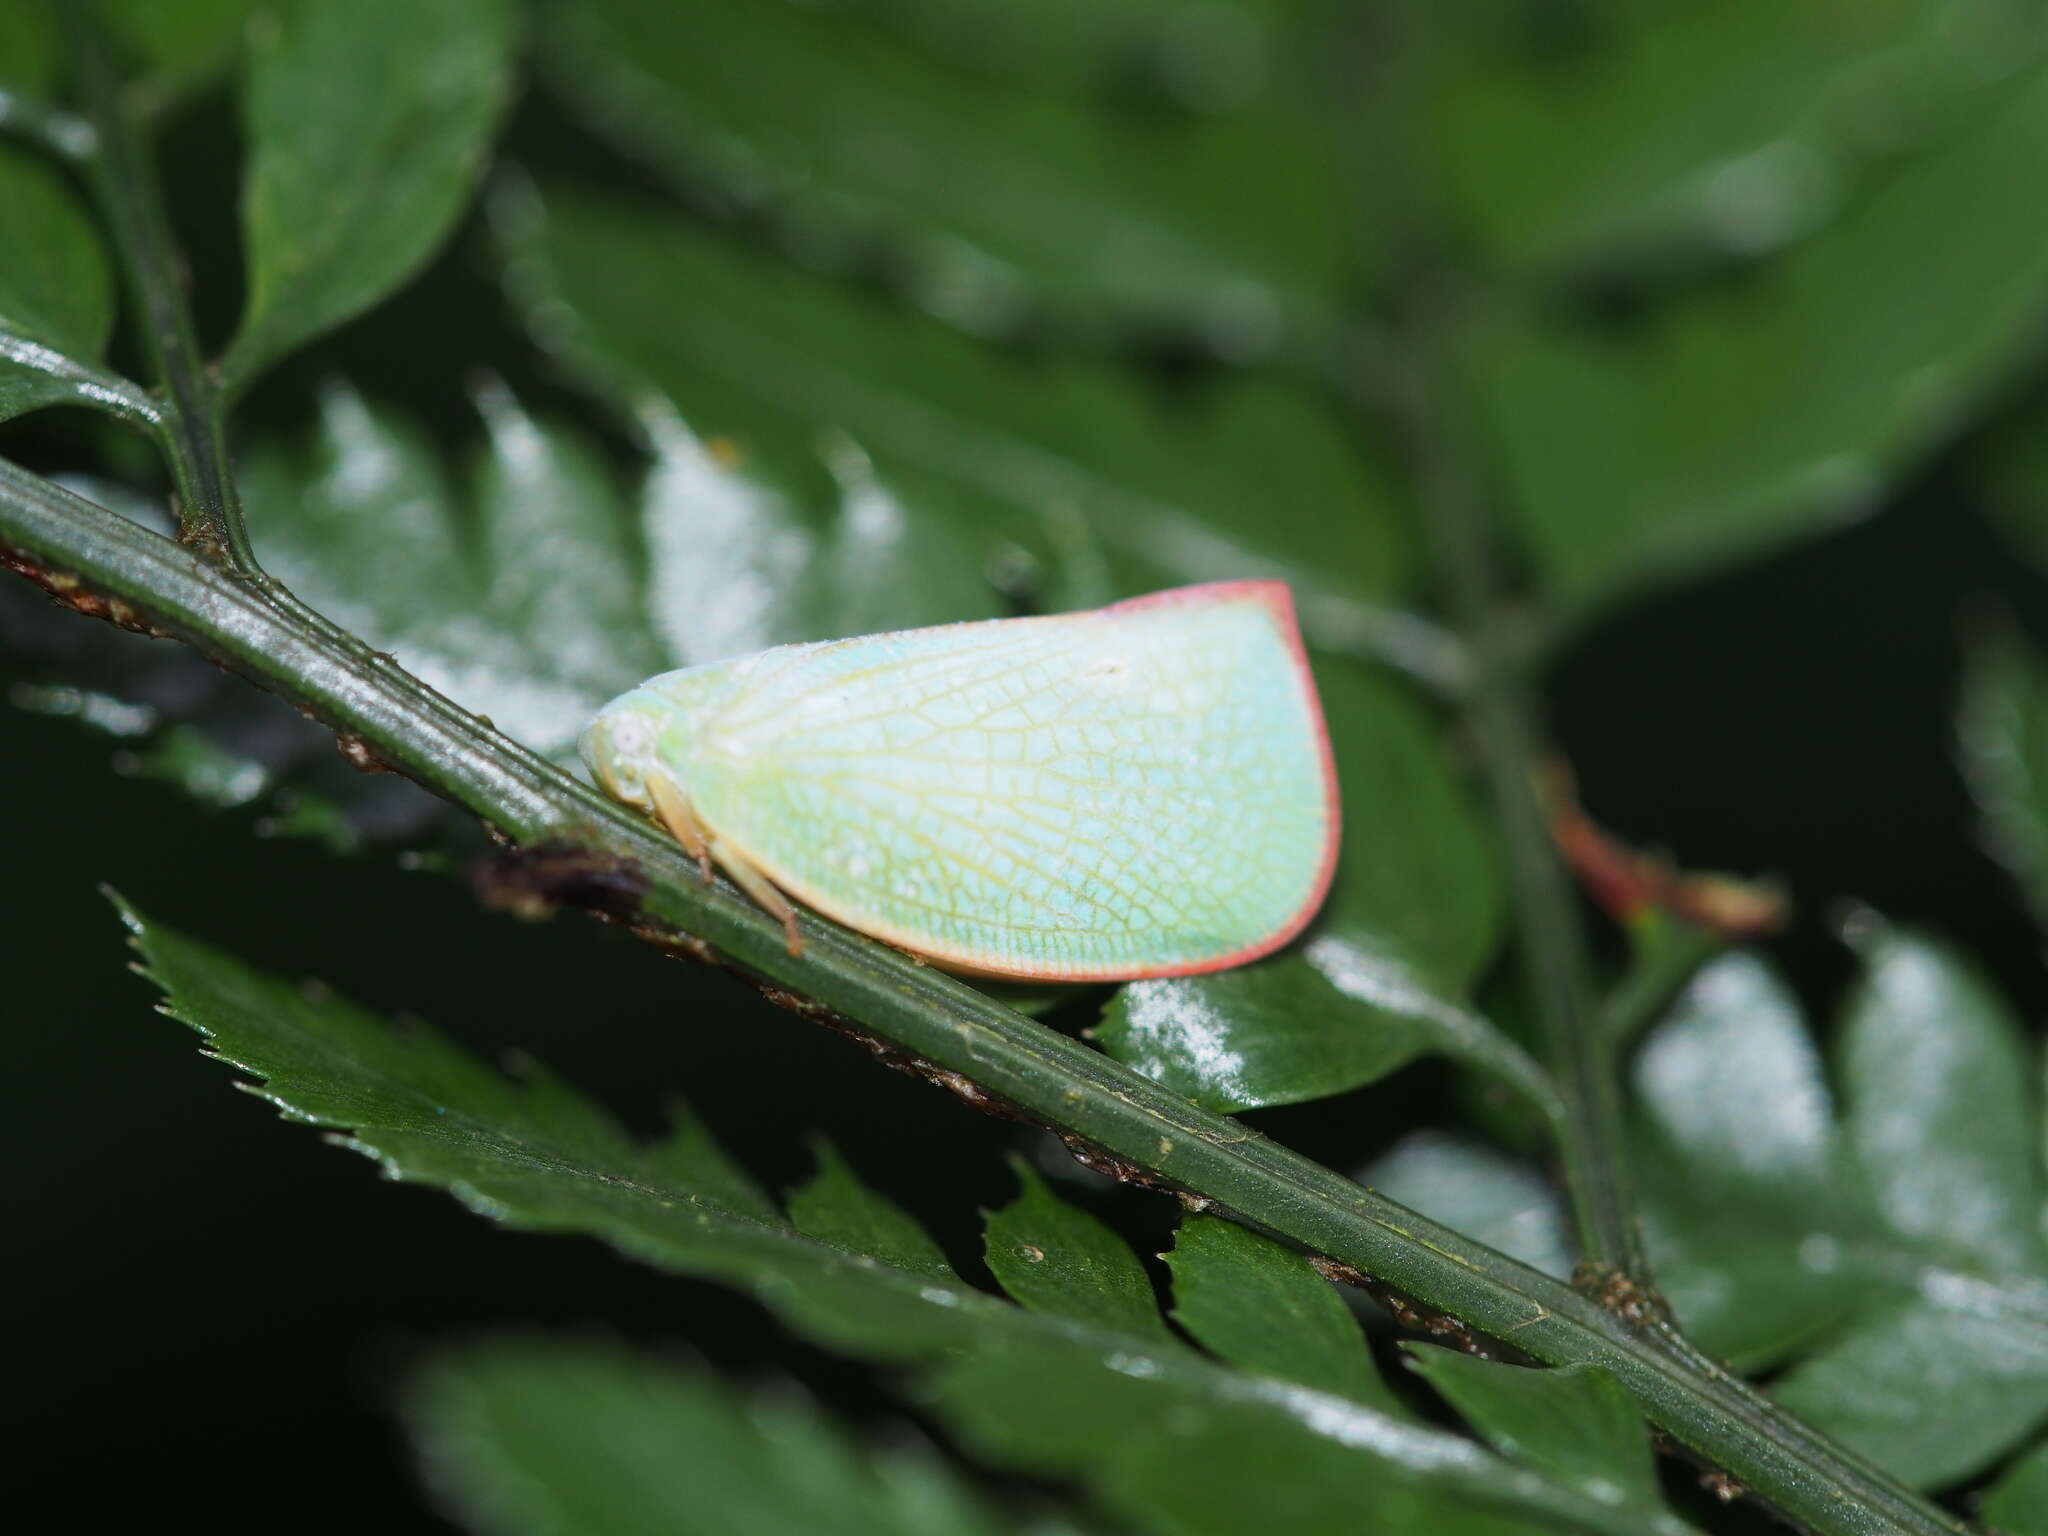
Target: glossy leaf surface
[(1897, 1239), (530, 613)]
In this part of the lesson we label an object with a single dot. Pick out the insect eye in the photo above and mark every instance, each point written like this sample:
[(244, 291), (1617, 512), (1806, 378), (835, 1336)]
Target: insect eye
[(631, 736)]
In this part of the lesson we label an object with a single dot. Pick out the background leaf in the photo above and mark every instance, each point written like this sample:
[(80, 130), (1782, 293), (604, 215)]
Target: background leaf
[(1051, 1256), (1244, 477), (1574, 1422), (558, 1438), (1944, 1122), (1729, 422), (989, 202), (1264, 1307), (1678, 131), (1890, 1244), (1027, 1389), (1903, 1239), (346, 194), (56, 292), (2003, 738), (1746, 1215), (176, 43), (529, 612), (2018, 1502), (1481, 1192), (836, 1208)]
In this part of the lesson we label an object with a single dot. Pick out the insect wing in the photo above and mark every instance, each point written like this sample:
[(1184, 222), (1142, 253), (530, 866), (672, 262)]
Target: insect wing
[(1142, 790)]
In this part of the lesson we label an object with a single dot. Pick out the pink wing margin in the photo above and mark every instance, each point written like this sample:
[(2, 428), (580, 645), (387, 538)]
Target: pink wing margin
[(1278, 602)]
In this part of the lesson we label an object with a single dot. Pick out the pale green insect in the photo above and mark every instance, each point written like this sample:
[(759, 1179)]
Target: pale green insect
[(1140, 790)]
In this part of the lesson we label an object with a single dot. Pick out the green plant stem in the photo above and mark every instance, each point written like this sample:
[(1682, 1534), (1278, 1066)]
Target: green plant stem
[(1054, 1079), (1577, 1048), (55, 130), (190, 429)]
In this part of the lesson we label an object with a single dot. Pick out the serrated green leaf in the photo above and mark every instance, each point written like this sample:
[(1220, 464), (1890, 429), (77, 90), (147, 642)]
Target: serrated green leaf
[(741, 559), (1943, 1119), (1944, 1128), (1028, 1388), (882, 565), (56, 293), (1754, 1238), (1051, 1256), (348, 191), (557, 1438), (836, 1207), (1478, 1191), (1732, 422), (724, 548), (561, 568), (1977, 1350), (1265, 1308), (1574, 1422), (1249, 477), (365, 523), (2017, 1504), (1737, 127), (1899, 1244), (1738, 1023), (1205, 1466), (691, 1158), (990, 204), (2003, 737)]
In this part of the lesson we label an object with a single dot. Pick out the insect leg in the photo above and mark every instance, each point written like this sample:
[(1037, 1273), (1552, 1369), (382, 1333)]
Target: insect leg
[(673, 807), (762, 889)]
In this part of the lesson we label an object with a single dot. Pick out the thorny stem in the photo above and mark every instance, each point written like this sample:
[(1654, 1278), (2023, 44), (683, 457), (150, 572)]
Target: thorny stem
[(87, 555)]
